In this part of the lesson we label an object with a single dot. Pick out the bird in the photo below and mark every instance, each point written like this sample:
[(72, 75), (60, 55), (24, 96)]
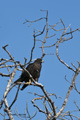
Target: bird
[(34, 69)]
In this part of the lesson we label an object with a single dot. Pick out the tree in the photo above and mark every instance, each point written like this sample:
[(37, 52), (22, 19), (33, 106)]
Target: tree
[(50, 110)]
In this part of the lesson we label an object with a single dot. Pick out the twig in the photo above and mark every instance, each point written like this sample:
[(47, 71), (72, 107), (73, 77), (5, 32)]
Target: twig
[(45, 35), (28, 112), (71, 31), (37, 106), (4, 47), (76, 89), (52, 27), (34, 20), (63, 24), (76, 105), (5, 75), (15, 98), (49, 46), (1, 103)]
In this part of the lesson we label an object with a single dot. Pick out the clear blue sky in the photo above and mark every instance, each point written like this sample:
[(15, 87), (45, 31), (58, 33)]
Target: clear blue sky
[(20, 40)]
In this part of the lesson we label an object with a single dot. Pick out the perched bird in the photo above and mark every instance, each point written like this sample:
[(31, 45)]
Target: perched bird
[(34, 69)]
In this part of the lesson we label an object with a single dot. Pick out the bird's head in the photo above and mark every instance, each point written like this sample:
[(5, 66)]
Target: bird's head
[(39, 60)]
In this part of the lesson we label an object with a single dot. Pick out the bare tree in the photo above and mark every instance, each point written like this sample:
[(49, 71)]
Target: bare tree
[(51, 111)]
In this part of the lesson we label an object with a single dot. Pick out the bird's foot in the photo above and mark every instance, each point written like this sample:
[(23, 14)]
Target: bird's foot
[(29, 83)]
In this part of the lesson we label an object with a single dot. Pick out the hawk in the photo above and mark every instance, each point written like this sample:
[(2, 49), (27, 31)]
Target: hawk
[(34, 69)]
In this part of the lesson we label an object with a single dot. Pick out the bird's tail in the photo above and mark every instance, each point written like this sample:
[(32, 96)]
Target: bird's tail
[(18, 80), (23, 87)]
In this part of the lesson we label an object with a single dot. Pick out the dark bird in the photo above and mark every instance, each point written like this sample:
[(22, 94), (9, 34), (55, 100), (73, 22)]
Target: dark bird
[(34, 69)]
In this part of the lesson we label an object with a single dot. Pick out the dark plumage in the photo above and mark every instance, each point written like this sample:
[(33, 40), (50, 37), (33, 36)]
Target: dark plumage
[(34, 69)]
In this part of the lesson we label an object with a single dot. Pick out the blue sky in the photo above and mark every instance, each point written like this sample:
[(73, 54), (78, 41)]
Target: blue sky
[(20, 40)]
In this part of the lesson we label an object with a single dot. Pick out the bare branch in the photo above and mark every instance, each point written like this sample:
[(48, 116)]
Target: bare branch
[(37, 106), (1, 103), (5, 95), (28, 112), (45, 35), (63, 24), (57, 46), (72, 31), (34, 20), (69, 91), (5, 75), (76, 88), (52, 27), (76, 105), (49, 46), (4, 47), (32, 48)]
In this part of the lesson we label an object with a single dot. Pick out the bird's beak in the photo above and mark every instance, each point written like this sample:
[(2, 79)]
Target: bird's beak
[(42, 61)]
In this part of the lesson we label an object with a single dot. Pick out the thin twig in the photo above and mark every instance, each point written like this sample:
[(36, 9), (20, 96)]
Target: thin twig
[(15, 98)]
